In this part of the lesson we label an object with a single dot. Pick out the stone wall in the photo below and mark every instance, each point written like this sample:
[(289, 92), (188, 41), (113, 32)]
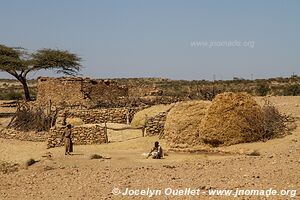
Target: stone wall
[(88, 93), (25, 136), (72, 92), (86, 134), (155, 125), (96, 116)]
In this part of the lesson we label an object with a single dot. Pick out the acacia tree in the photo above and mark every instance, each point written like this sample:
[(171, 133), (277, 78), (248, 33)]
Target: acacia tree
[(18, 62)]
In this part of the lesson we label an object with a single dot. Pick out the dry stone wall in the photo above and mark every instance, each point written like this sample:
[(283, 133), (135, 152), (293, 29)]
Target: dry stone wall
[(96, 116), (81, 135), (155, 125)]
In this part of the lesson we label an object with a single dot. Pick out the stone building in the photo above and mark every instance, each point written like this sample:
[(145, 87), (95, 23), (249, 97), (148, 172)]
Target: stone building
[(78, 92)]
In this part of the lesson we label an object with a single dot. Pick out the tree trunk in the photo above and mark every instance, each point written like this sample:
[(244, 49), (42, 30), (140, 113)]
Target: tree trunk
[(26, 89)]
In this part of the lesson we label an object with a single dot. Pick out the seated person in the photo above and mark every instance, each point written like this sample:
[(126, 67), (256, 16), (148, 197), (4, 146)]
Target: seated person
[(156, 152)]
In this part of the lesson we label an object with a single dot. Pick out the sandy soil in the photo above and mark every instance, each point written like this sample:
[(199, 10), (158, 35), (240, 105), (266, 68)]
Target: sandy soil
[(78, 177)]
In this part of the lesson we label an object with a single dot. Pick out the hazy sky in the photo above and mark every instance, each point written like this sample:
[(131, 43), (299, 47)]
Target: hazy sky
[(155, 38)]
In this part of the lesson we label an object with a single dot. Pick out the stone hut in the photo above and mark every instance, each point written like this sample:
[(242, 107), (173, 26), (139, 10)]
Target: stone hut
[(78, 92)]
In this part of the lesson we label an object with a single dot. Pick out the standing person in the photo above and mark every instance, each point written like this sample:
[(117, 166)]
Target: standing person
[(144, 125), (67, 136), (156, 152)]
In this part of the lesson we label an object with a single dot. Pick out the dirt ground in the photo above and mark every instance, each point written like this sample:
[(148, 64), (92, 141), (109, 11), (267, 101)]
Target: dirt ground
[(79, 177)]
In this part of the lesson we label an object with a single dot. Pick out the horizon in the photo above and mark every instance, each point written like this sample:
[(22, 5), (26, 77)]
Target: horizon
[(194, 40), (163, 78)]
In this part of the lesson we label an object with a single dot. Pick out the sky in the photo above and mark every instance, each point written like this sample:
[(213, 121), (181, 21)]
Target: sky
[(175, 39)]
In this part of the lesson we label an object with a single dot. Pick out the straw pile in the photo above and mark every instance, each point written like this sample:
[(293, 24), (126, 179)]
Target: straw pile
[(232, 118), (183, 121), (74, 121)]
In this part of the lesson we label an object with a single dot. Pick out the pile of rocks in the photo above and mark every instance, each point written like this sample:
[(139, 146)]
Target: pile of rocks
[(85, 134)]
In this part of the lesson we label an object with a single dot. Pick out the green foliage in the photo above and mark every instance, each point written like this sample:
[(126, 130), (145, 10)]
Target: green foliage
[(10, 95), (291, 90), (63, 61), (18, 62), (15, 92), (13, 60), (262, 89), (10, 59)]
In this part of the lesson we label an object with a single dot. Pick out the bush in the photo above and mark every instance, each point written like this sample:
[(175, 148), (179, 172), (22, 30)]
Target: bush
[(32, 119), (291, 90), (11, 95), (274, 121), (262, 89)]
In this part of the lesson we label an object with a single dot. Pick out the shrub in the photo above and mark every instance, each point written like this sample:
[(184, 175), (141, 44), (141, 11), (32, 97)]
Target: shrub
[(32, 119), (11, 95), (291, 90), (274, 121), (262, 89)]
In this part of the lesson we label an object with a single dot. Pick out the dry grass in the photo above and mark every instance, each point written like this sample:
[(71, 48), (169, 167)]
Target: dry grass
[(32, 119), (237, 118), (231, 119), (183, 121), (75, 121), (276, 123)]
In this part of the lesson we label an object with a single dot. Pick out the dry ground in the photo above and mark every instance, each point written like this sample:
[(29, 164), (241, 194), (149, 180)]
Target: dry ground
[(78, 177)]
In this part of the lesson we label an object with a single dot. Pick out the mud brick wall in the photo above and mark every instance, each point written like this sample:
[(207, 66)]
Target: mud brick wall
[(81, 135), (78, 91), (25, 136), (155, 125)]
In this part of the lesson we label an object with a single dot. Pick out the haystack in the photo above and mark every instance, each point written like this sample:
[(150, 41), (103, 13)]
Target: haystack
[(140, 117), (183, 121), (232, 118)]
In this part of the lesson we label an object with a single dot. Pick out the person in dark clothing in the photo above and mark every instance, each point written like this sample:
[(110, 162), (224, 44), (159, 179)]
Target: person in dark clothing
[(67, 137)]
